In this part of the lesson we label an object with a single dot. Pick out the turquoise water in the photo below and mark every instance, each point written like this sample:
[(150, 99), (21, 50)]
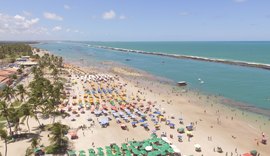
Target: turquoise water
[(245, 51), (243, 84)]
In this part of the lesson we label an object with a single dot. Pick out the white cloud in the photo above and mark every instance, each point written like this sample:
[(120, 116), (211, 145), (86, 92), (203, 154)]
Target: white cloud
[(109, 15), (239, 1), (122, 17), (184, 14), (68, 30), (67, 7), (76, 31), (57, 28), (17, 24), (52, 16)]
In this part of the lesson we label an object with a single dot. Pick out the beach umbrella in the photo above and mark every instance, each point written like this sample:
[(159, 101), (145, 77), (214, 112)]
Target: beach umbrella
[(253, 152), (71, 153), (247, 154), (91, 152), (82, 153), (148, 148), (180, 130), (197, 147), (189, 133)]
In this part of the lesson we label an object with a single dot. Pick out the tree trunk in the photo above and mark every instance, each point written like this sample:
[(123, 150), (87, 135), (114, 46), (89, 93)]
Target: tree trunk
[(5, 147), (38, 120), (10, 131), (28, 124)]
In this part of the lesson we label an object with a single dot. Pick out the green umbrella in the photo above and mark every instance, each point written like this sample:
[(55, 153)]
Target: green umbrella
[(180, 130), (82, 153), (91, 152), (253, 152), (124, 146), (71, 153)]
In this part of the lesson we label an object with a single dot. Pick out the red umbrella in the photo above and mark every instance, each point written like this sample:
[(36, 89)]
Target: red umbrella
[(247, 154)]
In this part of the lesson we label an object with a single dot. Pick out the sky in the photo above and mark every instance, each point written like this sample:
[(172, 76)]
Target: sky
[(135, 20)]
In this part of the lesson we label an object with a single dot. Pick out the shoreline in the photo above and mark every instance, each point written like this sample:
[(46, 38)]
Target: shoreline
[(198, 58), (223, 100)]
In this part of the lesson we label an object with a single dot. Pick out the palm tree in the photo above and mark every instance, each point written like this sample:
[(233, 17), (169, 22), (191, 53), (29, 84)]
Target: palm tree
[(4, 112), (4, 136), (27, 112), (8, 93), (34, 103), (21, 91), (58, 139), (35, 142)]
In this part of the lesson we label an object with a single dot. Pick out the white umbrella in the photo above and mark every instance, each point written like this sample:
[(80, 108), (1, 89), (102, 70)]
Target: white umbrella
[(148, 148)]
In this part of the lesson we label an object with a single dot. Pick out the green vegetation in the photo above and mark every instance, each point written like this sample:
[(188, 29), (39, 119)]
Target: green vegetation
[(42, 96), (59, 142), (4, 136), (11, 51)]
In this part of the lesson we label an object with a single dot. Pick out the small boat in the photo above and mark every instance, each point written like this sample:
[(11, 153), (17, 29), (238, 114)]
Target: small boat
[(182, 83)]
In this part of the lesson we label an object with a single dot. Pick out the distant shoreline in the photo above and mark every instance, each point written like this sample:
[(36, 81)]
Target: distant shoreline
[(198, 58)]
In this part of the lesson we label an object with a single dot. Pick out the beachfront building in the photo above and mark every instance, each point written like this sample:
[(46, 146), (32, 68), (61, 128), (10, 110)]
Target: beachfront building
[(25, 61), (5, 76)]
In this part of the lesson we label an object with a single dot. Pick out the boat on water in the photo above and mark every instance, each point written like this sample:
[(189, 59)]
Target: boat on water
[(182, 83)]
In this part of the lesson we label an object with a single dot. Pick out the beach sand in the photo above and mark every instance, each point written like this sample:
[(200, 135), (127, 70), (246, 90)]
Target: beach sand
[(216, 124)]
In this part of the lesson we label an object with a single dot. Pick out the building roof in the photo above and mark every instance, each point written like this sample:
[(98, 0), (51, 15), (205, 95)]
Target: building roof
[(27, 63), (8, 71)]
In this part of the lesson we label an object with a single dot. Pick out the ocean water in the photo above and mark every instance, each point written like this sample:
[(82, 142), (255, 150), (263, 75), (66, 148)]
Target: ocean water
[(242, 84), (241, 50)]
